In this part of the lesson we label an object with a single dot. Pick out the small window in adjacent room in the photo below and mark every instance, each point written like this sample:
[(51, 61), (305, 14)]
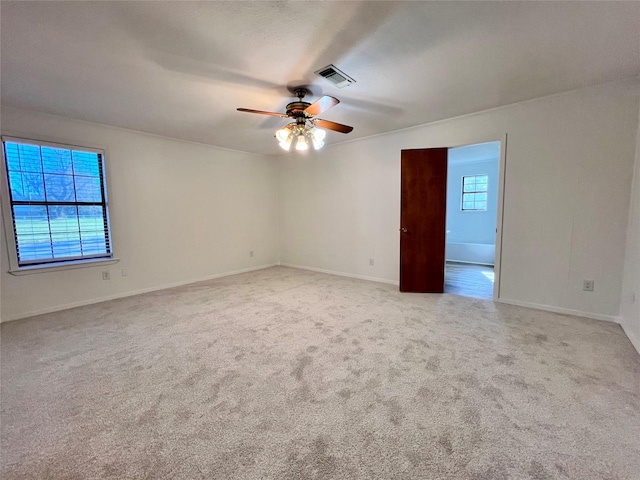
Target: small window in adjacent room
[(57, 204), (474, 192)]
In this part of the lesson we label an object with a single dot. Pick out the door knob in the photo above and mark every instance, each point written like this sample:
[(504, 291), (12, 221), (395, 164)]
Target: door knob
[(403, 230)]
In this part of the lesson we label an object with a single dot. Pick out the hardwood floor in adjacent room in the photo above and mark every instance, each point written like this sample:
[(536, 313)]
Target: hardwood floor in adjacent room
[(469, 280)]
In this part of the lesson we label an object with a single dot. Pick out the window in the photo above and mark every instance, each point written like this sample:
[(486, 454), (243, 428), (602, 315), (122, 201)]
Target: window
[(58, 201), (474, 192)]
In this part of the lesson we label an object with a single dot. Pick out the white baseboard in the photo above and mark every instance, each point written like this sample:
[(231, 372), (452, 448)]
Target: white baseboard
[(342, 274), (635, 341), (131, 293), (566, 311)]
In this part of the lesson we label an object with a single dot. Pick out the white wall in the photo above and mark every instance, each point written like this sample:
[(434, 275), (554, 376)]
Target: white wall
[(471, 235), (180, 212), (471, 226), (630, 301), (569, 164)]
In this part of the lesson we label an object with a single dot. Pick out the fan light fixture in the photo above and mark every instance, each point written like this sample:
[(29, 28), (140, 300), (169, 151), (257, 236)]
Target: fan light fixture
[(302, 134)]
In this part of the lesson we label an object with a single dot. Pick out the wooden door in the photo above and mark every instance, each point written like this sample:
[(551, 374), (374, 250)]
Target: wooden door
[(423, 207)]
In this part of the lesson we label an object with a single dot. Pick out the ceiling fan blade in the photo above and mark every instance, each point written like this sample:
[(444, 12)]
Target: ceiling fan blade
[(336, 127), (322, 105), (273, 114)]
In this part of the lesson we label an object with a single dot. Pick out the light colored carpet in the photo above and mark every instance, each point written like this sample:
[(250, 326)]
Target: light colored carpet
[(288, 374)]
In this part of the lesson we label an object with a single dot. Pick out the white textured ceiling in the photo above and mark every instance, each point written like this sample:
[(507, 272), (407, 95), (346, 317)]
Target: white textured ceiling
[(181, 69)]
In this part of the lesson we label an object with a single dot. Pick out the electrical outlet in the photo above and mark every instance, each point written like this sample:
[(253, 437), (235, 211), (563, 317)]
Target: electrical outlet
[(106, 275), (587, 285), (125, 272), (371, 262), (251, 253)]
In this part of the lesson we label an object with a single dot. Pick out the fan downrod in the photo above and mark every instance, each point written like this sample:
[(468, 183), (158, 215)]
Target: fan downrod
[(300, 92)]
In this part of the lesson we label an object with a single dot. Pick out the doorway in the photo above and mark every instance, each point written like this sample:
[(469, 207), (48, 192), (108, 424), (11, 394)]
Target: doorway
[(472, 204), (425, 244)]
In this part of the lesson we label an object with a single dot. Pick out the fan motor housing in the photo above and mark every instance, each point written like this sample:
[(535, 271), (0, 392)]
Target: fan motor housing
[(296, 109)]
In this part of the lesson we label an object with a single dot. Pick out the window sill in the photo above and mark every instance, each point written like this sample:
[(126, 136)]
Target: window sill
[(63, 266)]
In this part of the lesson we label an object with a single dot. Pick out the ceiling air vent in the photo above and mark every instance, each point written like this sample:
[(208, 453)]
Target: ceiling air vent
[(335, 76)]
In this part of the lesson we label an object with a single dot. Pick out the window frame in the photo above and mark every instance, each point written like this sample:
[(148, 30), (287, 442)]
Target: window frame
[(462, 209), (9, 226)]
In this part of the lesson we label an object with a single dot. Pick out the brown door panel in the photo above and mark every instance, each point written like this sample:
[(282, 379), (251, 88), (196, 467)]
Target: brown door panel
[(423, 220)]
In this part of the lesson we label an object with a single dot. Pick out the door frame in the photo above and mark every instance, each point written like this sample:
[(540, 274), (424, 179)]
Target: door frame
[(497, 262), (502, 166)]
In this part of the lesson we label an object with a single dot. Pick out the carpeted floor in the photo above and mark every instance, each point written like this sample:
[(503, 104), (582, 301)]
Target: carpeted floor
[(287, 374)]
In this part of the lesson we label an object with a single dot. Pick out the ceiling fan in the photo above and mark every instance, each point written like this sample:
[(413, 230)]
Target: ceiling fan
[(305, 129)]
